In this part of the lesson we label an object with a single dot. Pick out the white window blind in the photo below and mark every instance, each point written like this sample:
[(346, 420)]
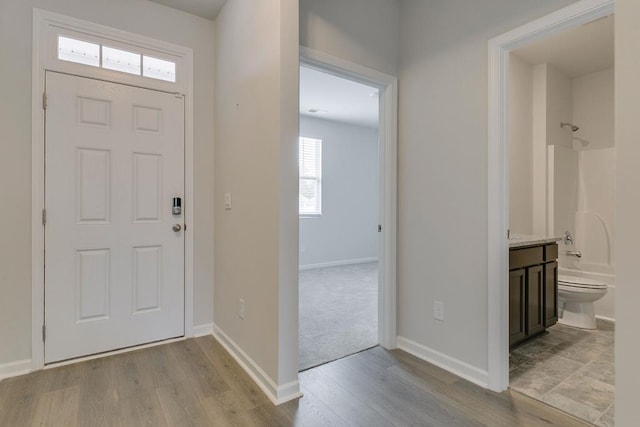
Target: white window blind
[(310, 158)]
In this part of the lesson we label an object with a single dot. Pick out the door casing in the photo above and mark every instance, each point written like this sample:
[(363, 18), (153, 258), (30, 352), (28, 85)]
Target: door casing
[(45, 26)]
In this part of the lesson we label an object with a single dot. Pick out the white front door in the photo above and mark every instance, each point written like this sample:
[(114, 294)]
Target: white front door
[(114, 266)]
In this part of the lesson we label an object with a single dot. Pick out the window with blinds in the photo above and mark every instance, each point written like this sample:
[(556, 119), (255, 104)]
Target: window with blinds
[(310, 158)]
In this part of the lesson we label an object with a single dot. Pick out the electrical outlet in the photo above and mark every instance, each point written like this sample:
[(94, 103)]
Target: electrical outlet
[(438, 310), (241, 309)]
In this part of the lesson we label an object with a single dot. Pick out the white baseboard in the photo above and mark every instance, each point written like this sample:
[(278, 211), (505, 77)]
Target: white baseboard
[(337, 263), (13, 369), (448, 363), (606, 319), (277, 394), (202, 330)]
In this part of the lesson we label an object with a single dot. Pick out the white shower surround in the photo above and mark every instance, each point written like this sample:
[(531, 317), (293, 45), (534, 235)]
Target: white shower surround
[(581, 198)]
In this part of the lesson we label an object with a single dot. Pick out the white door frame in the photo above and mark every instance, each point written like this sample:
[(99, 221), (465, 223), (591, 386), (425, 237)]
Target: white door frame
[(387, 199), (499, 47), (45, 26)]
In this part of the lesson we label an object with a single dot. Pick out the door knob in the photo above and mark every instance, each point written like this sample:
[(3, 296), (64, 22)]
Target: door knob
[(177, 227)]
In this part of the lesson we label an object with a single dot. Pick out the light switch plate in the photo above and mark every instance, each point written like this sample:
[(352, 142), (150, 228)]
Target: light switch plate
[(227, 201), (438, 310)]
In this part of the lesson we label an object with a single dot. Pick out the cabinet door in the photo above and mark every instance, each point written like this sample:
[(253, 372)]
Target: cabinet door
[(517, 297), (550, 294), (535, 307)]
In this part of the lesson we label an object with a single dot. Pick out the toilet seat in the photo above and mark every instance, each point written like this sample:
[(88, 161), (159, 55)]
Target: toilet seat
[(579, 283)]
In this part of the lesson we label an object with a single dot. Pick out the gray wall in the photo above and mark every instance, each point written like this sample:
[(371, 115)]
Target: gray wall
[(346, 230), (627, 93), (520, 146), (363, 31), (141, 17), (442, 183), (593, 108), (256, 160)]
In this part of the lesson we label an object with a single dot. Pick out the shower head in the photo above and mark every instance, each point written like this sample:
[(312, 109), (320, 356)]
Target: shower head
[(573, 127)]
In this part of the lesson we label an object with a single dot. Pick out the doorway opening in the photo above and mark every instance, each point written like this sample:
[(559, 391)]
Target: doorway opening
[(555, 127), (339, 218), (376, 181), (571, 76)]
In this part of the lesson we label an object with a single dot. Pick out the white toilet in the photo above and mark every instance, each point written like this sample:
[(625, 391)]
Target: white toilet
[(576, 296)]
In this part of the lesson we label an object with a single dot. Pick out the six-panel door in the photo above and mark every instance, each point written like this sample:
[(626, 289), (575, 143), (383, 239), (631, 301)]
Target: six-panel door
[(114, 267)]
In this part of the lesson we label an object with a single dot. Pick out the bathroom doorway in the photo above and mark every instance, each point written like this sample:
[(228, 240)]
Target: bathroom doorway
[(561, 183)]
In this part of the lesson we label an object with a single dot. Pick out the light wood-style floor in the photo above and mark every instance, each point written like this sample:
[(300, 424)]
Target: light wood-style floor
[(196, 383)]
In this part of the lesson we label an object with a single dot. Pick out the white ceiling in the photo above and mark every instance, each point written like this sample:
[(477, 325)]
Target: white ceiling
[(579, 51), (338, 99), (207, 9)]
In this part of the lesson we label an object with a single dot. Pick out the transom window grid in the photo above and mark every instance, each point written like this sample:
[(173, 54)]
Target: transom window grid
[(310, 159), (110, 58)]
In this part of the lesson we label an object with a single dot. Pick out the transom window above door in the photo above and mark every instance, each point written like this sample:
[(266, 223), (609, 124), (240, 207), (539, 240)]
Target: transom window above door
[(111, 58)]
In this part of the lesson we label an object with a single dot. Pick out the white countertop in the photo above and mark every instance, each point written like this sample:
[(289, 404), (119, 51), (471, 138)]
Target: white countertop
[(521, 240)]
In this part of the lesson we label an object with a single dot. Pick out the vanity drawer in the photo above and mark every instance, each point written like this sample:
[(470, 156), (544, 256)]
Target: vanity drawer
[(551, 252), (519, 258)]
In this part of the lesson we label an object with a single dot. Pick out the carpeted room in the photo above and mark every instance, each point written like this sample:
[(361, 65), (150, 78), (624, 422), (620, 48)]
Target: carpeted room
[(338, 240)]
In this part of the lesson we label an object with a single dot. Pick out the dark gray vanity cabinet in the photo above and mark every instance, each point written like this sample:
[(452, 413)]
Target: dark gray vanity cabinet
[(533, 291), (517, 311), (551, 293)]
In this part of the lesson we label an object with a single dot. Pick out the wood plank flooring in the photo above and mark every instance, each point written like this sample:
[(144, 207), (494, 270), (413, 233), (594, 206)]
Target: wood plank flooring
[(196, 383)]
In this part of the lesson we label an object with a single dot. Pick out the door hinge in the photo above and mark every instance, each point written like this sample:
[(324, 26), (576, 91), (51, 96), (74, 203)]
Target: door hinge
[(379, 228), (44, 217), (185, 227), (44, 333), (44, 100)]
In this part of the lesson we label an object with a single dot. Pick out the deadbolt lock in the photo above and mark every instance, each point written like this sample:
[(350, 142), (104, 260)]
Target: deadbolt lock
[(176, 208)]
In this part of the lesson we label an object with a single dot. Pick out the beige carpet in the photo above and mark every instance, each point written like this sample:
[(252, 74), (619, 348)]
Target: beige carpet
[(338, 309)]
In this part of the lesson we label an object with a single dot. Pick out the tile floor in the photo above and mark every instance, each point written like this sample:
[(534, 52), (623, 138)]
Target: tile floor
[(571, 369)]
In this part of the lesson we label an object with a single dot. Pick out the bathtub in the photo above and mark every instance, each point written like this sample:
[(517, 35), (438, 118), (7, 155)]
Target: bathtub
[(605, 307)]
